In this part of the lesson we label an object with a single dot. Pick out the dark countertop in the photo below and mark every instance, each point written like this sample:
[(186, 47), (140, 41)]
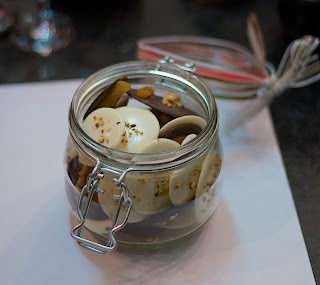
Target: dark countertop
[(107, 34)]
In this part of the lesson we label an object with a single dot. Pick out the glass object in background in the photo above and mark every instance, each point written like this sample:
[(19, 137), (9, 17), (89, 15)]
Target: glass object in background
[(45, 35), (6, 18), (218, 3)]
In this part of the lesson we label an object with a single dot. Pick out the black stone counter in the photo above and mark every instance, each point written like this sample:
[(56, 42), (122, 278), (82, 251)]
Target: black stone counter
[(107, 34)]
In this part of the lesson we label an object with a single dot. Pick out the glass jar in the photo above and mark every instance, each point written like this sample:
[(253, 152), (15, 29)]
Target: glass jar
[(135, 195)]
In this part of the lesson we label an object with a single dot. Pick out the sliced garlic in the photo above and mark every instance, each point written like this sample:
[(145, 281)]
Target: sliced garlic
[(100, 227), (207, 198), (205, 205), (191, 119), (141, 126), (109, 204), (158, 145), (188, 138), (209, 173), (183, 185), (181, 220), (105, 125), (150, 193)]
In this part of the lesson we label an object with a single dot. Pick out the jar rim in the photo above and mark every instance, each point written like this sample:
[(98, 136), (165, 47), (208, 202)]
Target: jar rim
[(171, 158)]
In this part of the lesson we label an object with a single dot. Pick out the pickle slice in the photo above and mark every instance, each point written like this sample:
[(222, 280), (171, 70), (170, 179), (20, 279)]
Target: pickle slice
[(109, 96)]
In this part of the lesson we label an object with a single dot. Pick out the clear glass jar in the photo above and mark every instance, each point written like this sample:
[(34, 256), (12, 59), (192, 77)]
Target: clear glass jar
[(156, 219)]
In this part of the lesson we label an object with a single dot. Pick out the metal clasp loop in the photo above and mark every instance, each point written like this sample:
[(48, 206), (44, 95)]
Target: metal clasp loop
[(188, 66), (83, 206)]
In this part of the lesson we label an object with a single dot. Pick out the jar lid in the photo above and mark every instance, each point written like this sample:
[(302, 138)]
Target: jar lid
[(228, 68)]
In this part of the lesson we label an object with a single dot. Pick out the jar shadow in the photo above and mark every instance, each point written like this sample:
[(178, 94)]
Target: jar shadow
[(200, 256)]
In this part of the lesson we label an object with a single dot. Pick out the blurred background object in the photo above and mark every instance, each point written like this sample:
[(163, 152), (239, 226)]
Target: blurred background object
[(45, 34), (219, 3), (7, 17), (299, 17)]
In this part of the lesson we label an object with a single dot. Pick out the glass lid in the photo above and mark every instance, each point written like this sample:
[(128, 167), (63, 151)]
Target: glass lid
[(232, 71), (229, 69)]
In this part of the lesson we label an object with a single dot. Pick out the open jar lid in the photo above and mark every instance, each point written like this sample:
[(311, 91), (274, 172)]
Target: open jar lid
[(228, 68), (232, 71)]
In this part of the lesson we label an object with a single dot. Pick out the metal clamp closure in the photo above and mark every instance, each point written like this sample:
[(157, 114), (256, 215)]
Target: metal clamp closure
[(83, 206), (188, 66)]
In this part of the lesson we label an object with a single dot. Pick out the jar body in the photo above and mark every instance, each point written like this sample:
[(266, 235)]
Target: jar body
[(171, 201), (154, 219)]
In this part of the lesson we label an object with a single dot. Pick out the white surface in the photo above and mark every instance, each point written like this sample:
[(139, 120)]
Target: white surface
[(253, 238)]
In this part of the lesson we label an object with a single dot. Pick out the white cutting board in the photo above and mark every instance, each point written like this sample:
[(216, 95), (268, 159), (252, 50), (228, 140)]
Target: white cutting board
[(253, 238)]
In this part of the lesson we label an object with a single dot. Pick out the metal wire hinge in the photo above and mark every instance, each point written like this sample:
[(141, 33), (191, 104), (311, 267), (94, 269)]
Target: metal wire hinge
[(83, 205), (188, 66)]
